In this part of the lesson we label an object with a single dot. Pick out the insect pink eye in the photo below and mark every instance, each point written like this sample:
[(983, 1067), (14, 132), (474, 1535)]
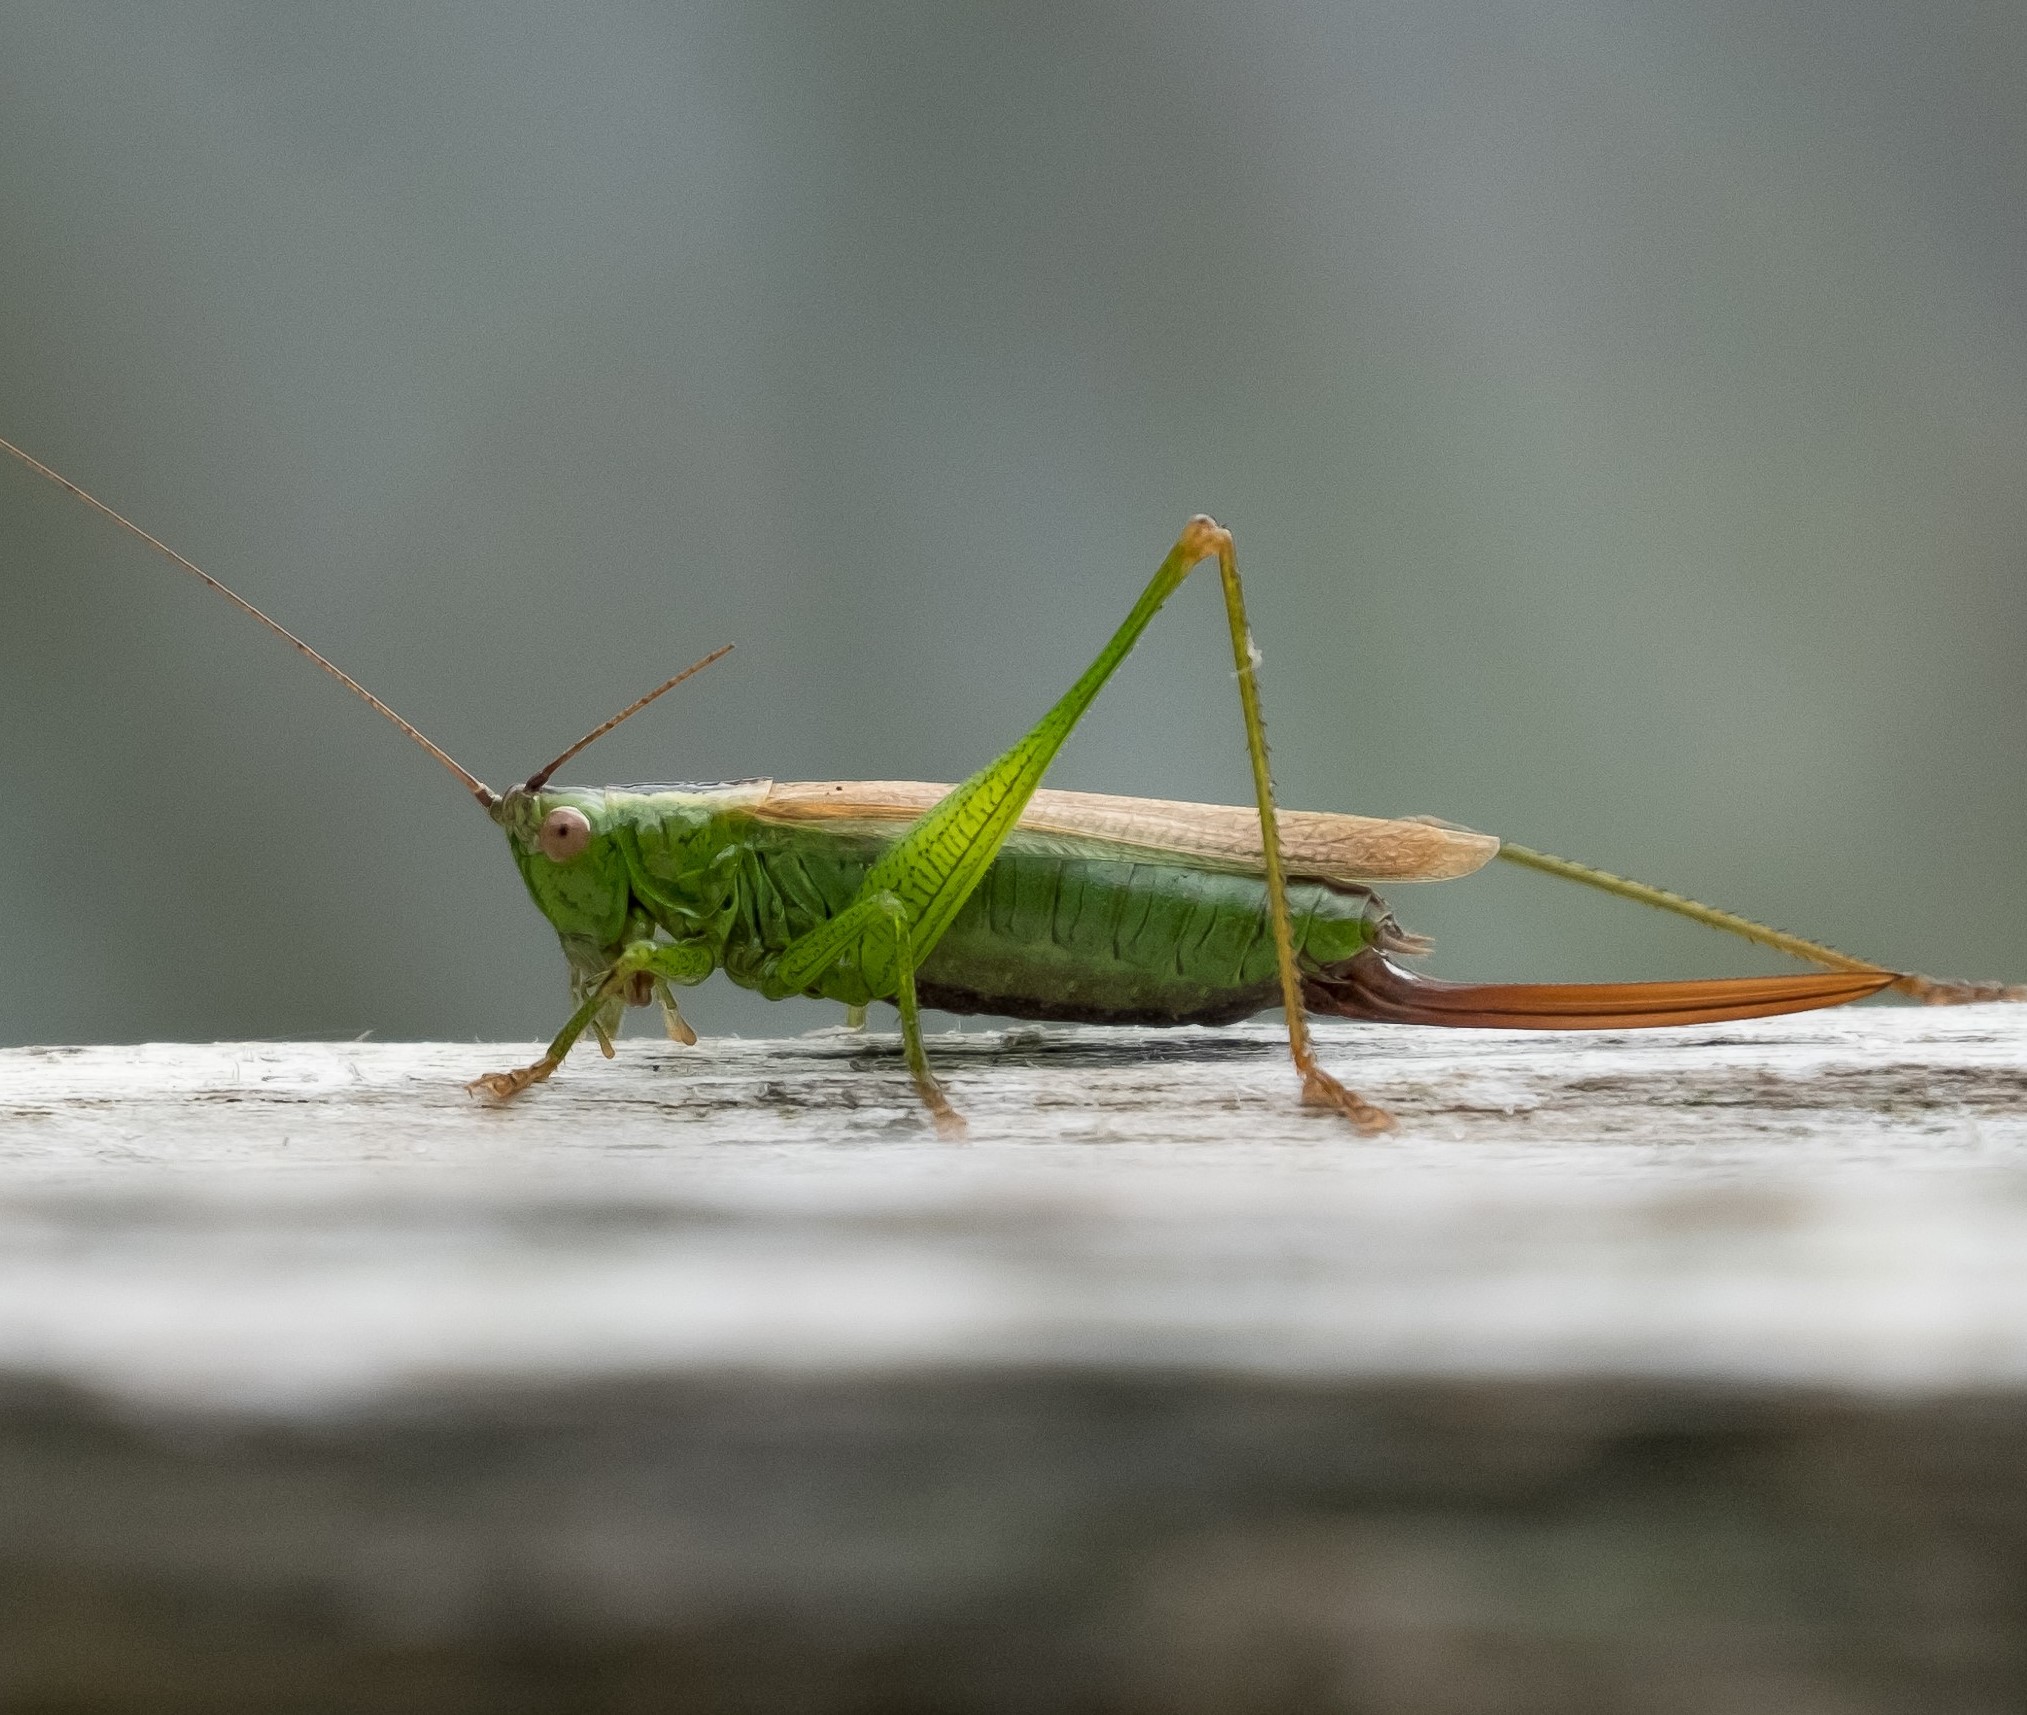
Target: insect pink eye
[(565, 834)]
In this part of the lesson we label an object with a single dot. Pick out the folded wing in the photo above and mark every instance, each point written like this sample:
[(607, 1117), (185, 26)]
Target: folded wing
[(1316, 845)]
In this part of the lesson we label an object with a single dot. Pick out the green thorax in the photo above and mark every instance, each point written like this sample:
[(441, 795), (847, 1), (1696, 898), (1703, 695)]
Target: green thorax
[(1060, 929)]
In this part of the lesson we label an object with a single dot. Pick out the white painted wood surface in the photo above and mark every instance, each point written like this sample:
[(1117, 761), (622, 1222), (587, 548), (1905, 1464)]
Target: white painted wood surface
[(726, 1337)]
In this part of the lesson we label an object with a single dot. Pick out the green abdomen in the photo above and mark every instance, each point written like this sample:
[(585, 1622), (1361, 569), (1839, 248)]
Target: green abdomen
[(1073, 938), (1104, 941)]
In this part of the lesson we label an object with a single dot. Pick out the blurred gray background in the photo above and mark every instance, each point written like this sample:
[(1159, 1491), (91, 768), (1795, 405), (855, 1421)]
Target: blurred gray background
[(1621, 409)]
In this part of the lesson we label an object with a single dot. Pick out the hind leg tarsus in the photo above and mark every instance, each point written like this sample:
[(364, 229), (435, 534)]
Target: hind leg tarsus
[(1955, 991), (1321, 1090)]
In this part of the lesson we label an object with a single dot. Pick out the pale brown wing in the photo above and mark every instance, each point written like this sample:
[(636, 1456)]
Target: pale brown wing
[(1316, 845)]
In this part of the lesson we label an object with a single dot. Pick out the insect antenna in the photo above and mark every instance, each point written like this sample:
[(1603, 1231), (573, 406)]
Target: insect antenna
[(540, 778), (472, 783)]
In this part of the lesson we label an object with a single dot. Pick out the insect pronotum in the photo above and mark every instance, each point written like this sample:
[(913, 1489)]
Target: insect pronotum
[(996, 895)]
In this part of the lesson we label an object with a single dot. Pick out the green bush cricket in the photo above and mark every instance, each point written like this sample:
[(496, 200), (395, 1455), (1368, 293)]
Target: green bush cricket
[(999, 896)]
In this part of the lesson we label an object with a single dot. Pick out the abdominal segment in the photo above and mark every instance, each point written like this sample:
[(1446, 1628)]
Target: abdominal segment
[(1100, 941)]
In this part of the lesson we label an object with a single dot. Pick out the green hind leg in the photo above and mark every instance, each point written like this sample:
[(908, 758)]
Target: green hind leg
[(942, 858), (1931, 991)]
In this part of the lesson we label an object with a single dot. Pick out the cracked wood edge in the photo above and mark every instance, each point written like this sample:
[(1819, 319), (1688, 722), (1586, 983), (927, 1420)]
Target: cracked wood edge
[(1908, 1082)]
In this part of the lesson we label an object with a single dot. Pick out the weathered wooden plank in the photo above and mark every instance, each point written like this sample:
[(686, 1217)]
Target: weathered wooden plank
[(1676, 1371)]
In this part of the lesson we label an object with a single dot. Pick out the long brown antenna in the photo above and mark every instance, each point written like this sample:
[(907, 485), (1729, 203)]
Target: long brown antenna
[(473, 784), (540, 778)]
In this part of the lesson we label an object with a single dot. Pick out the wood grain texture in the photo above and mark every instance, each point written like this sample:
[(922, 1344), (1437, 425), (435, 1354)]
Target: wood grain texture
[(1674, 1371)]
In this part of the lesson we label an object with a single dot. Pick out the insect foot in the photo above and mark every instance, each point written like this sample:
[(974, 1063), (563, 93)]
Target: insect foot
[(1321, 1090), (950, 1125), (1954, 991), (505, 1086)]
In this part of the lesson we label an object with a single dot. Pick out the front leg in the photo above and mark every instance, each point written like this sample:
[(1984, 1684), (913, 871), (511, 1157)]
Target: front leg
[(659, 963)]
